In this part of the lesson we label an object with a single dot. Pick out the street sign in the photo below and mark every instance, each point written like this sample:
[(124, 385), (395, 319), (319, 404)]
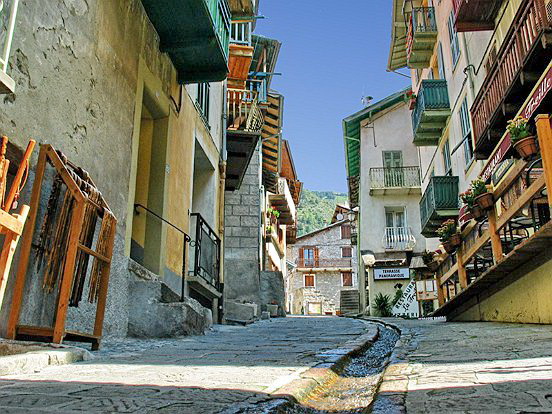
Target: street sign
[(393, 273)]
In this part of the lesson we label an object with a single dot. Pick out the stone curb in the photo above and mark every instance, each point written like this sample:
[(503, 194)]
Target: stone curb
[(327, 370), (31, 357), (392, 389)]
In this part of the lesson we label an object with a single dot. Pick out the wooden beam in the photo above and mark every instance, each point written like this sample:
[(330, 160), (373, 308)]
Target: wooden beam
[(544, 132), (496, 243)]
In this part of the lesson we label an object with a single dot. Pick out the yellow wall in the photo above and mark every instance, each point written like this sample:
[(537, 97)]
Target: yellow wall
[(528, 300)]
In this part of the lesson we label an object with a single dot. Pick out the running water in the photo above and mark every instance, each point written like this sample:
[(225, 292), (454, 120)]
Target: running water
[(352, 392)]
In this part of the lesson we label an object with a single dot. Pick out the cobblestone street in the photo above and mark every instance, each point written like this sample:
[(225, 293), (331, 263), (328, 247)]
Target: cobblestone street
[(440, 367), (229, 367)]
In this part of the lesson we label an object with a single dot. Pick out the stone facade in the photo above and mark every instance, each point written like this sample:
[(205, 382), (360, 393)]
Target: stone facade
[(84, 71), (328, 268)]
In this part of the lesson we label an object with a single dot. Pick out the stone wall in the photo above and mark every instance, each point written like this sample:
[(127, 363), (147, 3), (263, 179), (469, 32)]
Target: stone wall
[(243, 239)]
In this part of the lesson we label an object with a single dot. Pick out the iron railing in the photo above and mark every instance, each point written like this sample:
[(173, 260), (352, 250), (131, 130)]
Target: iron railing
[(187, 239), (432, 95), (311, 263), (240, 33), (398, 238), (394, 177), (205, 260), (221, 16), (441, 194)]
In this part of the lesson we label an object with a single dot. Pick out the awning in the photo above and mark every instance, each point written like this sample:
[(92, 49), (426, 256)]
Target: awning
[(397, 53)]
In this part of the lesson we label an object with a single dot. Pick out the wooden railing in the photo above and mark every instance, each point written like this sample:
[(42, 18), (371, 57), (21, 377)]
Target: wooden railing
[(525, 30), (243, 110), (324, 263), (240, 33), (521, 208)]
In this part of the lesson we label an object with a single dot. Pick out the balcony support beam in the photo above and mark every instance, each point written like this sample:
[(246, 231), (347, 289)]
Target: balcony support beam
[(544, 132)]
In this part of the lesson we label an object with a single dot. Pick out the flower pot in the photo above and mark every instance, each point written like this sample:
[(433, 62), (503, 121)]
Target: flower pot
[(455, 240), (477, 213), (527, 147), (485, 201), (449, 248)]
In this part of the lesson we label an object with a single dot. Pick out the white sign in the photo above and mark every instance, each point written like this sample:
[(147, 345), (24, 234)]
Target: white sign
[(396, 273), (407, 304)]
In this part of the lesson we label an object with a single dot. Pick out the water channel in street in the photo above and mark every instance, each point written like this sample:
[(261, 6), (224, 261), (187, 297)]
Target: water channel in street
[(352, 392)]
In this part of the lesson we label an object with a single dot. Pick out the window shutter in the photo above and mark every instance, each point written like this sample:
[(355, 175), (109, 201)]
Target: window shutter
[(316, 264)]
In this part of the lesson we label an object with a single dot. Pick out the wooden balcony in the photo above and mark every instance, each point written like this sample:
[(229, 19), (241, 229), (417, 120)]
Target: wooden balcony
[(421, 37), (195, 34), (431, 112), (501, 250), (523, 56), (395, 180), (241, 54), (475, 15), (283, 202), (439, 202)]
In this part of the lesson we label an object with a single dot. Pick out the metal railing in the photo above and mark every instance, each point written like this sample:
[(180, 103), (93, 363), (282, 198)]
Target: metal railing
[(432, 95), (4, 59), (240, 33), (422, 20), (340, 262), (526, 28), (258, 86), (398, 238), (205, 253), (441, 193), (187, 239), (394, 177), (220, 13)]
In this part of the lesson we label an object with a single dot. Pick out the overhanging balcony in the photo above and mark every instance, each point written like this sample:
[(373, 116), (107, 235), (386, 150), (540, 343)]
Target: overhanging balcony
[(243, 8), (439, 202), (398, 239), (395, 180), (475, 15), (283, 202), (421, 37), (195, 34), (431, 112), (522, 58), (241, 54)]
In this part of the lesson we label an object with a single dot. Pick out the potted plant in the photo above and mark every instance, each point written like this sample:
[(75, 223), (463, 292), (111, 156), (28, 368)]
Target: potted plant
[(273, 213), (524, 142), (429, 260), (449, 236), (412, 102), (482, 196), (468, 199)]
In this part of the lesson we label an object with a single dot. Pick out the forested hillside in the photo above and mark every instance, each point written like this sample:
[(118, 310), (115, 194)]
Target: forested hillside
[(316, 209)]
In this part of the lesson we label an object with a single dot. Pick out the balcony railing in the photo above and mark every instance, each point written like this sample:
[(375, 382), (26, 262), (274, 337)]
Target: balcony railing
[(517, 230), (240, 33), (526, 29), (283, 202), (431, 112), (421, 36), (220, 13), (398, 238), (337, 263), (259, 87), (475, 15), (439, 201), (243, 111), (394, 177), (205, 251)]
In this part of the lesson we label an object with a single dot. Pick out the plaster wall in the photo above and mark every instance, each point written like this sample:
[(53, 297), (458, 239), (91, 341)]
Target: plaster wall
[(81, 69)]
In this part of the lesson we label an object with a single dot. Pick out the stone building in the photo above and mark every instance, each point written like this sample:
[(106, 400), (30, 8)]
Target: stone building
[(385, 184), (323, 280), (134, 92)]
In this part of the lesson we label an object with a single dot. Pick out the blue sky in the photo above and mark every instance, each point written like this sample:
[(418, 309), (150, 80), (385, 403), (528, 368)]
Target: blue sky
[(333, 53)]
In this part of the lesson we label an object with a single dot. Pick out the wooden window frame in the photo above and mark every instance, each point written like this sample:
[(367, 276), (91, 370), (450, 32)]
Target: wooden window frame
[(350, 250), (343, 279), (313, 280), (344, 237)]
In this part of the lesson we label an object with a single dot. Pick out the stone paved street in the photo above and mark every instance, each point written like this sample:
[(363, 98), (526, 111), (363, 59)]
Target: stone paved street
[(208, 374), (443, 367)]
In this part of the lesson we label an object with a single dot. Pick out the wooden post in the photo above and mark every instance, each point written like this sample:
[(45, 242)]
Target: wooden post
[(544, 132), (26, 245), (440, 293), (462, 274), (68, 271), (496, 243)]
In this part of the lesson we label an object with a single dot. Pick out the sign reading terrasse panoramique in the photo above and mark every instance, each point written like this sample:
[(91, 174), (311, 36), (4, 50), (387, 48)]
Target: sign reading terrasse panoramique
[(390, 274)]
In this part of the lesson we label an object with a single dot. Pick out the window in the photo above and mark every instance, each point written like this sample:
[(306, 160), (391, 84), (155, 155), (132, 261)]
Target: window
[(309, 281), (393, 174), (203, 100), (441, 61), (346, 252), (466, 132), (453, 37), (346, 231), (308, 256), (346, 279), (446, 158), (395, 217)]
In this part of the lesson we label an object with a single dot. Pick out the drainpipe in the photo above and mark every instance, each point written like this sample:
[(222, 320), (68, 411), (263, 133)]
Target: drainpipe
[(222, 185), (468, 70)]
